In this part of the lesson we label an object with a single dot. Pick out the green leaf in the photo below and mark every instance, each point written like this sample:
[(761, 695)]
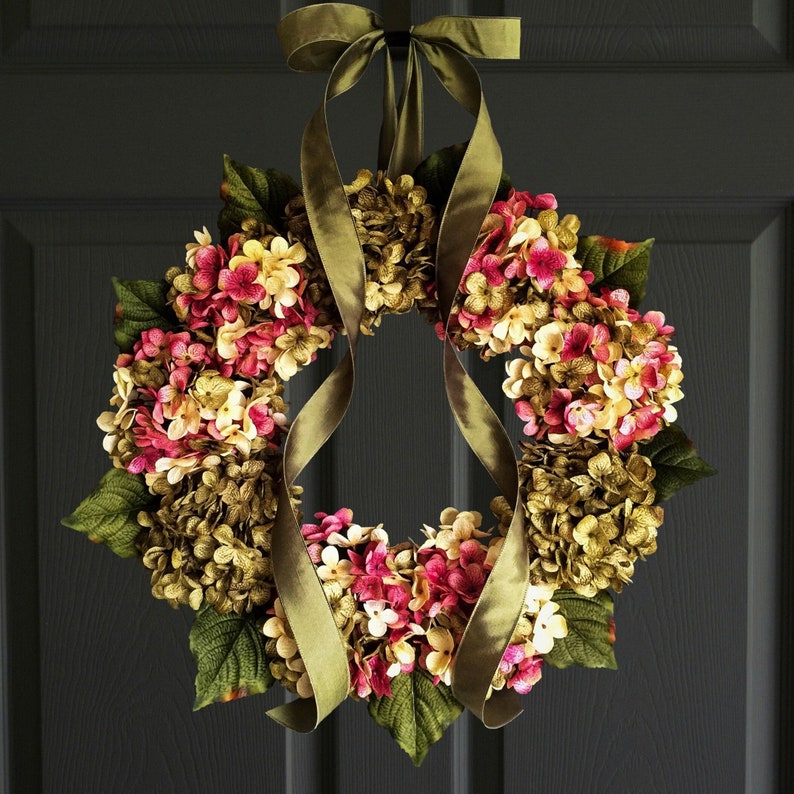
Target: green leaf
[(589, 640), (417, 713), (676, 462), (108, 514), (437, 173), (230, 657), (142, 305), (250, 193), (617, 264)]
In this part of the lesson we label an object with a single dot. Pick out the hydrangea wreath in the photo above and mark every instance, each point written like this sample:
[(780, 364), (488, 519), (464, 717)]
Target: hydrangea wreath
[(197, 421)]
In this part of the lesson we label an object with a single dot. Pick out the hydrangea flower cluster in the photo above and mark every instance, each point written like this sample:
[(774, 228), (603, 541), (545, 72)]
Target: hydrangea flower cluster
[(247, 297), (591, 365), (175, 412), (407, 606), (397, 230)]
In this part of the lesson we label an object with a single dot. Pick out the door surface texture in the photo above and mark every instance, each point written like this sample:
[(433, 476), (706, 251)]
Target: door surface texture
[(670, 120)]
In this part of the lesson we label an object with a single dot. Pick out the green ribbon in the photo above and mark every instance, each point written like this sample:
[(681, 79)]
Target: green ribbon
[(343, 39)]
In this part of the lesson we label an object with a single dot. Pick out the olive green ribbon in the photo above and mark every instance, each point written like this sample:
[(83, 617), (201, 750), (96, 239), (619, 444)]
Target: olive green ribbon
[(343, 39)]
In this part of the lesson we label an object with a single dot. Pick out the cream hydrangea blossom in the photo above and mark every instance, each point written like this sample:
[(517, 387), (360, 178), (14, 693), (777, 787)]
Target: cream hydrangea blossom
[(519, 370), (380, 617), (549, 626), (379, 295), (279, 288), (515, 326), (174, 468), (276, 274), (357, 535), (303, 685), (334, 569), (185, 418), (526, 232), (671, 392), (203, 239), (455, 528), (111, 422), (295, 348), (233, 409), (401, 654), (439, 660), (548, 343), (226, 337), (278, 629)]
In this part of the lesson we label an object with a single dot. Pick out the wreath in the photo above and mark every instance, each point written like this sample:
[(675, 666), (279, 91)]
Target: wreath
[(202, 487)]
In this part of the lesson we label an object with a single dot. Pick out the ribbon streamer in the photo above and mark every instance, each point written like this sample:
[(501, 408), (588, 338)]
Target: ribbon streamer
[(342, 39), (299, 588)]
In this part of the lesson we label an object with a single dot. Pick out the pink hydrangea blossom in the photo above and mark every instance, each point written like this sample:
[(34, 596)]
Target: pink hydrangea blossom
[(467, 583), (576, 341), (240, 285), (489, 265), (544, 261), (209, 262), (638, 425), (527, 674), (329, 522), (580, 416), (658, 321), (368, 676), (526, 413), (153, 345), (185, 351), (599, 346), (554, 416)]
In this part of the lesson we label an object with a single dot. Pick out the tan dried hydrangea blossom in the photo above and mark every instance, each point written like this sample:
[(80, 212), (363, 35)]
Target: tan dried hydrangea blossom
[(210, 537), (397, 230), (589, 514)]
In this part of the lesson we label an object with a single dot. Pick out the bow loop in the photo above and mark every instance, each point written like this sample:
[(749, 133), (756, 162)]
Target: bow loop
[(477, 37), (313, 38)]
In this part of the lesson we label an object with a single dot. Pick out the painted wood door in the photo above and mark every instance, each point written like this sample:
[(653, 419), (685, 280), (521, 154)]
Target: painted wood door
[(670, 120)]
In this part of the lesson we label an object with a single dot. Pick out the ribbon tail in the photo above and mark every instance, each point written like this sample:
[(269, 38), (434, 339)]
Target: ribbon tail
[(315, 631), (300, 590), (308, 612), (503, 705), (388, 127), (480, 655), (500, 605), (409, 139), (478, 176)]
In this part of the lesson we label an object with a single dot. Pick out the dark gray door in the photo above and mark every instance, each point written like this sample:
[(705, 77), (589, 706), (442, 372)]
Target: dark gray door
[(670, 120)]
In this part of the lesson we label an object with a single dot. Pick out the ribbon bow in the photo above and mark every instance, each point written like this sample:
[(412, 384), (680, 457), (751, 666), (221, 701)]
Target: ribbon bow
[(343, 39)]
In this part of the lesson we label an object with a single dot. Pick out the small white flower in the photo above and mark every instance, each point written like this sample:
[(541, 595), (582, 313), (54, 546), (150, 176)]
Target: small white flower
[(380, 617), (548, 342), (334, 569), (548, 627)]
